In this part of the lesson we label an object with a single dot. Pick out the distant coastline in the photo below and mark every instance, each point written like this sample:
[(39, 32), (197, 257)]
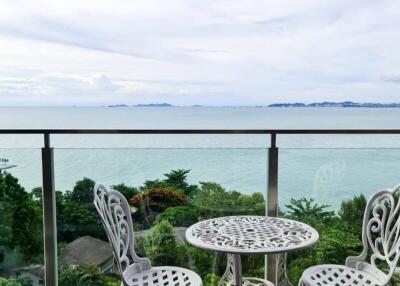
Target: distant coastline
[(144, 105), (344, 104), (337, 104)]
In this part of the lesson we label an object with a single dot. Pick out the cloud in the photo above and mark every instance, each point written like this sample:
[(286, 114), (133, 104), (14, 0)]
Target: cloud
[(391, 78), (197, 52)]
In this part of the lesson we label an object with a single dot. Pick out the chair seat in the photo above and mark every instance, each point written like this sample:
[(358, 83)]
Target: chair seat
[(337, 275), (250, 281), (164, 276)]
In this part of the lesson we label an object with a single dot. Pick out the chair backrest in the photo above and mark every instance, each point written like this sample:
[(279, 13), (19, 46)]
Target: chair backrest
[(381, 234), (116, 218)]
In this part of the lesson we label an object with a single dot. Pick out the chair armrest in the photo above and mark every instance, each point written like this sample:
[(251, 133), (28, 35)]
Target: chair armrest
[(352, 261)]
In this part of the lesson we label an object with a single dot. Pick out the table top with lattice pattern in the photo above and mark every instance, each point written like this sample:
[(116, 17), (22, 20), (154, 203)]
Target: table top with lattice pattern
[(251, 235)]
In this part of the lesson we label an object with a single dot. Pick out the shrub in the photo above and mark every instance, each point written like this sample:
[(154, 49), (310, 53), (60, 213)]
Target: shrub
[(160, 246), (199, 260), (86, 275), (211, 279), (352, 213), (179, 216), (23, 281), (153, 201)]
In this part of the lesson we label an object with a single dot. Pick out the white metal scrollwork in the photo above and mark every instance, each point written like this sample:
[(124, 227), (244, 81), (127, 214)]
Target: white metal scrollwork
[(381, 234), (114, 211), (251, 234), (381, 239), (115, 215)]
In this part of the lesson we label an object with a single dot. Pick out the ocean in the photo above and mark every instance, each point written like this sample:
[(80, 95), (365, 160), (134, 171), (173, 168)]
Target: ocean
[(327, 168)]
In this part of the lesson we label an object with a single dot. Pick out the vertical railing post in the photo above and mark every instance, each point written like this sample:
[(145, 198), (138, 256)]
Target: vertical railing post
[(272, 203), (49, 214)]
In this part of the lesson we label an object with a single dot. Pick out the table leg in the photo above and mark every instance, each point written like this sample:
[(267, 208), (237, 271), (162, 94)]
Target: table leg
[(237, 268), (233, 271), (228, 274), (282, 277)]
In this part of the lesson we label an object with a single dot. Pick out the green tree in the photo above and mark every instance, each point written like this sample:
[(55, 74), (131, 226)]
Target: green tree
[(83, 191), (76, 220), (213, 200), (161, 246), (127, 191), (352, 213), (178, 179), (306, 210), (76, 213), (21, 222), (175, 180)]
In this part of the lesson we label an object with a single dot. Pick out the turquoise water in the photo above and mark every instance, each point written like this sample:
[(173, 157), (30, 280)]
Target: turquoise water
[(327, 168)]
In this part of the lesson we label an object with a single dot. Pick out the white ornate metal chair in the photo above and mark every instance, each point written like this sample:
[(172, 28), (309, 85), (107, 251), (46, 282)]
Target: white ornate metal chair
[(381, 240), (115, 214)]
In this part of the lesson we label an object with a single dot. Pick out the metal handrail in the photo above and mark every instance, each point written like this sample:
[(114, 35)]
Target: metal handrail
[(204, 131)]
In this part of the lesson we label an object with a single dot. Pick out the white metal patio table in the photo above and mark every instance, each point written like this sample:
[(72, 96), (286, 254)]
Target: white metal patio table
[(236, 235)]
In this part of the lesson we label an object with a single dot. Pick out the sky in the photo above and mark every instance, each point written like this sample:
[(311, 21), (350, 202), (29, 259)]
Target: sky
[(206, 52)]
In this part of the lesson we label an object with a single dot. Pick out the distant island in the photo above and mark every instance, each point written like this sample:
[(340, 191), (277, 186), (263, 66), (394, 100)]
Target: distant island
[(144, 105), (336, 104), (280, 105)]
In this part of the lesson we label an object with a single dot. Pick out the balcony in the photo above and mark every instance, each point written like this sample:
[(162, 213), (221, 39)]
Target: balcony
[(50, 233)]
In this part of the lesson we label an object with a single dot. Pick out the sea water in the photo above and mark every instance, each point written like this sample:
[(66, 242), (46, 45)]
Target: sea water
[(327, 168)]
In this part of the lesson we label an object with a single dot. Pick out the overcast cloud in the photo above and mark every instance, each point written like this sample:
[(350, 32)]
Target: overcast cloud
[(198, 52)]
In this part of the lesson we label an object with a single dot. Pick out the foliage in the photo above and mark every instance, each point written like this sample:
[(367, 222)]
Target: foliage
[(211, 279), (160, 246), (76, 214), (154, 201), (20, 218), (167, 201), (352, 213), (176, 180), (179, 216), (83, 191), (127, 191), (306, 210), (336, 241), (76, 220), (297, 265), (335, 245), (199, 260), (86, 275), (395, 281), (22, 281), (213, 200), (253, 265)]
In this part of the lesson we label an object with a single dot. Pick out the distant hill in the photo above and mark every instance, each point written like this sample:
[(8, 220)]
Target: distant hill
[(155, 105), (144, 105), (284, 105), (337, 104)]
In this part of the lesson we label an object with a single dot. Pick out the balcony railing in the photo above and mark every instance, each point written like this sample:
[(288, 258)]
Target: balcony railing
[(48, 181)]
